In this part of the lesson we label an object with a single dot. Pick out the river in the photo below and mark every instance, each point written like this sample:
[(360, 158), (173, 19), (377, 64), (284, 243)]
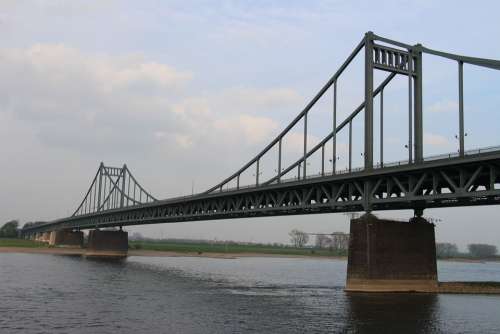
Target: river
[(63, 294)]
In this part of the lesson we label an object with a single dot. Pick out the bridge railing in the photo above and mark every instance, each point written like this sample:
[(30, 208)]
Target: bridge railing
[(343, 171), (468, 153)]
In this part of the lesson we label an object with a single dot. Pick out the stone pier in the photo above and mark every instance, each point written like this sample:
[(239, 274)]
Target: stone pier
[(391, 256), (66, 238), (107, 243), (43, 237)]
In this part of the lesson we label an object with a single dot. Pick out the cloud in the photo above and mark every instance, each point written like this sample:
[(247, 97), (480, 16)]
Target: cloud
[(253, 129), (294, 143), (258, 98), (443, 106), (239, 115), (84, 101), (126, 103), (436, 140)]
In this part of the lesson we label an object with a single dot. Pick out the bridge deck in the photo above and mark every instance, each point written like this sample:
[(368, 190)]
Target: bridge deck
[(450, 181)]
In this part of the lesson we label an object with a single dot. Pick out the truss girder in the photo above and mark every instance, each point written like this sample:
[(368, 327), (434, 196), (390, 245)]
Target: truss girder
[(467, 184)]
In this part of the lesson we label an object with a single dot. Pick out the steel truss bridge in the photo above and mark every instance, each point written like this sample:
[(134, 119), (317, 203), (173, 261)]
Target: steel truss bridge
[(463, 178)]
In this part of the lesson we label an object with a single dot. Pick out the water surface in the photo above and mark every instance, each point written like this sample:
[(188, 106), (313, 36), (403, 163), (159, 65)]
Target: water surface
[(62, 294)]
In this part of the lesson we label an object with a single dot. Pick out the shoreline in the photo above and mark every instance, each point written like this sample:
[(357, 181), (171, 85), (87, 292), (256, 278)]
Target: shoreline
[(154, 253), (216, 255)]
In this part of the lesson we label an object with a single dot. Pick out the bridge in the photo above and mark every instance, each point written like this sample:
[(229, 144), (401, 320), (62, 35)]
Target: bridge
[(463, 178)]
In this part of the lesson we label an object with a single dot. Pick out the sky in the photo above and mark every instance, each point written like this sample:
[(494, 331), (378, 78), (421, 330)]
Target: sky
[(186, 92)]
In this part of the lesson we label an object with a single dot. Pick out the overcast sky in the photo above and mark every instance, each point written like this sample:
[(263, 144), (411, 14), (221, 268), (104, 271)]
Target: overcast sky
[(186, 92)]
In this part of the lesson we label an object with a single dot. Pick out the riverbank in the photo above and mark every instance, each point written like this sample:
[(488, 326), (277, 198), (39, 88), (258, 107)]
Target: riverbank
[(188, 249), (43, 249), (176, 248), (469, 287), (152, 253), (231, 248)]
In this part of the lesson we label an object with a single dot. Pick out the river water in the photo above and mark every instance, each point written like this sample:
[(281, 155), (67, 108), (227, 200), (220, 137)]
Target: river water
[(62, 294)]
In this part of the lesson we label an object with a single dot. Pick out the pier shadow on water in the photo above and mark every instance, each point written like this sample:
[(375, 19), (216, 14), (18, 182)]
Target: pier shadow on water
[(112, 260), (392, 313)]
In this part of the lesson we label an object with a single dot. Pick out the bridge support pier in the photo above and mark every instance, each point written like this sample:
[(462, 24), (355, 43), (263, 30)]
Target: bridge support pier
[(107, 243), (44, 237), (66, 238), (391, 256)]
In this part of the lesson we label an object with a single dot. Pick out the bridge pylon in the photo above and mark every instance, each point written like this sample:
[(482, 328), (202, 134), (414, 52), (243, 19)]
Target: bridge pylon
[(112, 188)]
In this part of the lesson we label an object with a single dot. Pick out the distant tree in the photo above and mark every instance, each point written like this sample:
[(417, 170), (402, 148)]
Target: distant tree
[(9, 229), (446, 249), (482, 250), (136, 236), (323, 241), (298, 238), (340, 241)]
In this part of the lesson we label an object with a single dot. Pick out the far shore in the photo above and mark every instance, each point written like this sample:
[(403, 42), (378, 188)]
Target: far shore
[(228, 255), (155, 253)]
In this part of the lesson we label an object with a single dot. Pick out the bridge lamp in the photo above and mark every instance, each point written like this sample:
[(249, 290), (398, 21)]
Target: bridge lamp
[(456, 137)]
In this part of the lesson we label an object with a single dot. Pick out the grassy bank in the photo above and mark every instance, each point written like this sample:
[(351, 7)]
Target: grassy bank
[(232, 248), (469, 258), (11, 242), (193, 247), (221, 248)]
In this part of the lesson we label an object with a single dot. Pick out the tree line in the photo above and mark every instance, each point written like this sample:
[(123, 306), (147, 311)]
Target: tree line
[(449, 250), (11, 228), (300, 239)]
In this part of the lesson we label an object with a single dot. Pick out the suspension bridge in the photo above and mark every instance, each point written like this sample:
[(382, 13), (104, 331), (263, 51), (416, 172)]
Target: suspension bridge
[(115, 197), (384, 255)]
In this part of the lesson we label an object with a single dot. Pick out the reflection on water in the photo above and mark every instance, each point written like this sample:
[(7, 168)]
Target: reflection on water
[(57, 294), (393, 313)]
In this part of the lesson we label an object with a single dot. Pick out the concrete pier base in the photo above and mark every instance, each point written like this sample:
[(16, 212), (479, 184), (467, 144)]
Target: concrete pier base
[(43, 237), (66, 238), (46, 237), (107, 244), (391, 256)]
